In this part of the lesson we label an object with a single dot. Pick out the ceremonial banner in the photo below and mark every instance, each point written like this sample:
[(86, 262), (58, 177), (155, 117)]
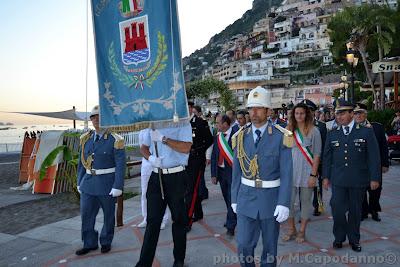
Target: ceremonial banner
[(139, 68)]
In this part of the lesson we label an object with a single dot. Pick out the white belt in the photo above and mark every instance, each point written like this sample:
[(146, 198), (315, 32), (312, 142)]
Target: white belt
[(101, 171), (170, 170), (261, 183)]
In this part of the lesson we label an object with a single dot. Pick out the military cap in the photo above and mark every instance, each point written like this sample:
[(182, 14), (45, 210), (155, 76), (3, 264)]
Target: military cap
[(343, 105), (360, 107), (311, 105)]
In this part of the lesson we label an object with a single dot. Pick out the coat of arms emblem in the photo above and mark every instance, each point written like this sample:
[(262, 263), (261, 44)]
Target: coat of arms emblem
[(135, 41)]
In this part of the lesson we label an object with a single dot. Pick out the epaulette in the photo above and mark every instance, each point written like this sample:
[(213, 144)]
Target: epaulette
[(84, 137), (119, 141), (235, 135), (287, 136)]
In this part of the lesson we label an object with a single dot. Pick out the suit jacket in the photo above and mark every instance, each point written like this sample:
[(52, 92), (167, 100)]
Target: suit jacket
[(352, 160), (275, 162), (107, 153), (215, 157), (379, 131)]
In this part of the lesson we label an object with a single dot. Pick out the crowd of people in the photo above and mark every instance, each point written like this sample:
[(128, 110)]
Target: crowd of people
[(264, 160)]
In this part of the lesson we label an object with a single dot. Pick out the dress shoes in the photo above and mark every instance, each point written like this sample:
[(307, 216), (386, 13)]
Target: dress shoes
[(337, 245), (178, 264), (105, 249), (230, 232), (84, 251), (355, 247), (375, 216)]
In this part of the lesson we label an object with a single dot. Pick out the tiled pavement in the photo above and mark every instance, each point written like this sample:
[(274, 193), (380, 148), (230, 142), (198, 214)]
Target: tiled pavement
[(54, 244)]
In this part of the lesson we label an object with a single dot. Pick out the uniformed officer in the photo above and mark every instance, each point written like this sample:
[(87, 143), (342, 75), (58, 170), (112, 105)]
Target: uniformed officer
[(261, 181), (202, 140), (101, 172), (317, 200), (372, 205), (351, 164), (173, 146)]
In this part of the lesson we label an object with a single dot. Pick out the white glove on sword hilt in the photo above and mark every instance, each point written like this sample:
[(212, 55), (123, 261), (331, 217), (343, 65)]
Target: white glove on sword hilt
[(155, 161), (281, 213), (156, 136)]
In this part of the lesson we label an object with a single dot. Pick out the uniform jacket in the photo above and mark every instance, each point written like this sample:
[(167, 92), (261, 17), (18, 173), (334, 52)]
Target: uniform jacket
[(352, 160), (202, 137), (215, 156), (274, 161), (108, 152)]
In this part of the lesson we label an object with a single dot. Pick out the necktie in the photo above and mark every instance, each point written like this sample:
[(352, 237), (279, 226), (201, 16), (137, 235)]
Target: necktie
[(347, 129), (258, 133), (97, 138), (221, 157)]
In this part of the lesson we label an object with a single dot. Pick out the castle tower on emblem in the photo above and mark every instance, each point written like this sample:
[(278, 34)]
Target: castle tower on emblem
[(135, 42)]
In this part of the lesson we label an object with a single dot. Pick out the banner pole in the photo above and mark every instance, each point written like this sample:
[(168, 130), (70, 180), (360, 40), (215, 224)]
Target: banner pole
[(159, 169)]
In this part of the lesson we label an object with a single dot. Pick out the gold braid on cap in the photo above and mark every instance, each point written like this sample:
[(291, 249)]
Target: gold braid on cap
[(252, 172)]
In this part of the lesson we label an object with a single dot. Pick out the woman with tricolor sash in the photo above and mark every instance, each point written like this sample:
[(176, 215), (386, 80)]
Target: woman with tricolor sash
[(306, 157)]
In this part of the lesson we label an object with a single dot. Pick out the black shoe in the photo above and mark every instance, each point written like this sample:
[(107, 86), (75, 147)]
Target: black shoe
[(364, 216), (375, 216), (225, 225), (197, 219), (105, 249), (230, 232), (355, 247), (84, 251), (337, 245), (188, 228), (316, 212), (177, 264)]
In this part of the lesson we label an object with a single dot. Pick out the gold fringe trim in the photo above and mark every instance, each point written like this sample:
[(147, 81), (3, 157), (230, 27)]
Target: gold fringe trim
[(144, 125)]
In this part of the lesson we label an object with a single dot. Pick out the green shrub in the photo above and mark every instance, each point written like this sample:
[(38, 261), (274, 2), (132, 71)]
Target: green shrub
[(382, 116)]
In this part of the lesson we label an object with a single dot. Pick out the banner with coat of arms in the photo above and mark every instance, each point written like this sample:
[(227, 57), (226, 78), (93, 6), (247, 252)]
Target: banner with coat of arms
[(138, 55)]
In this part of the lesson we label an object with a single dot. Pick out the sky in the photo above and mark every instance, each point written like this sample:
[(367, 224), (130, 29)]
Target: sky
[(43, 51)]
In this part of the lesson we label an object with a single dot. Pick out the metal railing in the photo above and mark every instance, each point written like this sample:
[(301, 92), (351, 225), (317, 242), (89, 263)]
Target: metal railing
[(10, 147), (131, 139)]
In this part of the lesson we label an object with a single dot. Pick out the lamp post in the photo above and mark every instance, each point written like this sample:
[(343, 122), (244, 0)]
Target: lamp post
[(352, 59), (344, 85)]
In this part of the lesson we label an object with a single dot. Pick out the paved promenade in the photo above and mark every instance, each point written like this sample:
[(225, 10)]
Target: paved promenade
[(54, 244)]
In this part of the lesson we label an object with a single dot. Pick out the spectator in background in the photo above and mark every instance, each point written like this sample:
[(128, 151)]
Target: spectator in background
[(241, 118), (396, 123)]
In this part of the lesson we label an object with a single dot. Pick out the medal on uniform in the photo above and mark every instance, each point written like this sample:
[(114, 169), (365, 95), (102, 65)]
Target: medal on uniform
[(269, 129)]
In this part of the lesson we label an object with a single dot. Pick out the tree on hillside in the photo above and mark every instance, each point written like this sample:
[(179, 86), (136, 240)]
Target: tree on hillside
[(203, 88), (360, 24)]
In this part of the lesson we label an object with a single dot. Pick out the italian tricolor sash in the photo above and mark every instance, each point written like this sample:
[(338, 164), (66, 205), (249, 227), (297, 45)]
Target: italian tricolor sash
[(225, 149), (308, 155)]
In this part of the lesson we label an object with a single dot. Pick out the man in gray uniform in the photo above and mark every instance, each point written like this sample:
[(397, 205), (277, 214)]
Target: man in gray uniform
[(351, 164), (261, 181)]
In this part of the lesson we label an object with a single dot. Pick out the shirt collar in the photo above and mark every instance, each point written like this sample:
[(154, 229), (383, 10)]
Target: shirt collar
[(351, 125), (262, 128), (228, 132)]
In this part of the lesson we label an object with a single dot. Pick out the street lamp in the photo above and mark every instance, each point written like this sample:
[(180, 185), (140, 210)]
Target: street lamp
[(352, 59), (344, 85)]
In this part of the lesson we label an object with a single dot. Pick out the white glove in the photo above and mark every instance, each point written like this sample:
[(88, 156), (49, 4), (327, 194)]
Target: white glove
[(282, 213), (115, 192), (155, 161), (156, 136), (234, 206), (79, 189)]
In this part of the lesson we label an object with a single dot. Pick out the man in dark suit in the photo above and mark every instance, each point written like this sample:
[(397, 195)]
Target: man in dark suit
[(323, 131), (202, 140), (221, 166), (351, 164), (372, 205)]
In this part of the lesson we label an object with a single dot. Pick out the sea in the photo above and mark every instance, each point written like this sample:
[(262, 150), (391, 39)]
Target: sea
[(12, 136)]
